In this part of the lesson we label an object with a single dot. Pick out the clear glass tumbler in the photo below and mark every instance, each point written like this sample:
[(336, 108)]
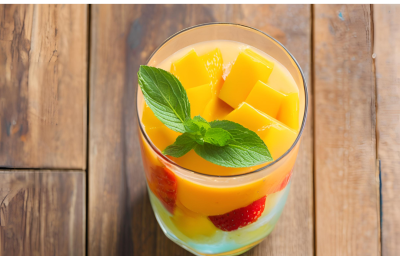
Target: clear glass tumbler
[(176, 191)]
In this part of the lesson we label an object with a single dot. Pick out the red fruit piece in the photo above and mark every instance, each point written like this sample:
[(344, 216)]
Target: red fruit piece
[(163, 184), (240, 217), (283, 183)]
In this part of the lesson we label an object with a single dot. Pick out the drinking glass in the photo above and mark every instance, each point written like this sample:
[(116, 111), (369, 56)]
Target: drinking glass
[(175, 190)]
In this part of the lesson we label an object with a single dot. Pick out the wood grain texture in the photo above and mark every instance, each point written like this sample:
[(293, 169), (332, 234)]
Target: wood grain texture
[(387, 64), (43, 74), (42, 213), (345, 150), (121, 221)]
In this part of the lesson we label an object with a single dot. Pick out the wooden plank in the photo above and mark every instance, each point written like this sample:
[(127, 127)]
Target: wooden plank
[(42, 213), (387, 63), (122, 38), (345, 150), (43, 74)]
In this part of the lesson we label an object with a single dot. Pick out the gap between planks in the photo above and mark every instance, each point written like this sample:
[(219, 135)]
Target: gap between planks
[(312, 78), (44, 169), (375, 116), (88, 40)]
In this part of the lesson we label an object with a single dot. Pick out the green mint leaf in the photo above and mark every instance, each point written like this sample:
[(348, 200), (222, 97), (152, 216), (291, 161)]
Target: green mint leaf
[(199, 139), (245, 149), (190, 126), (196, 125), (221, 142), (217, 136), (201, 122), (165, 96), (183, 144)]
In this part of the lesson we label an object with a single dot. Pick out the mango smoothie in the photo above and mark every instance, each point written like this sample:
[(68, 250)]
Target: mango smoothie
[(207, 208)]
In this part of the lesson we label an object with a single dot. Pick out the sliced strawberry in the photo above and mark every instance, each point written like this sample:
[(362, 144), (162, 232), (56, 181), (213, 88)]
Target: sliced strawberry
[(240, 217), (283, 184), (163, 183)]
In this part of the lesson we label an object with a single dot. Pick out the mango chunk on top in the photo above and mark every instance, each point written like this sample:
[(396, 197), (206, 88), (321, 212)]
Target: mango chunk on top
[(277, 136), (289, 111), (159, 134), (216, 109), (150, 120), (213, 61), (190, 70), (248, 68), (265, 99), (199, 97)]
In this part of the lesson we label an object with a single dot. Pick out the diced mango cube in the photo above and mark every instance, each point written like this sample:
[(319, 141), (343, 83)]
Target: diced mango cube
[(192, 224), (282, 81), (250, 118), (159, 134), (190, 70), (289, 111), (217, 87), (199, 97), (248, 68), (213, 61), (279, 139), (216, 109), (277, 136), (149, 120), (265, 99)]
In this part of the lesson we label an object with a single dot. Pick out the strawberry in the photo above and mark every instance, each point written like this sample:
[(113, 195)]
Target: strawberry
[(240, 217), (163, 183), (283, 184)]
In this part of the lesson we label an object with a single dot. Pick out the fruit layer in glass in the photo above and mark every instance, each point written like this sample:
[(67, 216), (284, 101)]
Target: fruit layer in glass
[(206, 208)]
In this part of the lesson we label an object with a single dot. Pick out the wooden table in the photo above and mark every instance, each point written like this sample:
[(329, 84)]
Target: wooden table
[(71, 179)]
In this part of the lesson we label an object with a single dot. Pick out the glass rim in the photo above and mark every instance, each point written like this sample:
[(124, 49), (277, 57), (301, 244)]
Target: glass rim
[(236, 175)]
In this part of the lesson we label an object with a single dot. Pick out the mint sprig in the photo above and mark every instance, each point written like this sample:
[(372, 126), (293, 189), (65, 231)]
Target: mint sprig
[(217, 136), (244, 149), (165, 96), (223, 143), (182, 145)]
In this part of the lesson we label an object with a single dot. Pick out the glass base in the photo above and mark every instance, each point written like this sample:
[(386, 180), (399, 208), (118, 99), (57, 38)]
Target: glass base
[(224, 243)]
